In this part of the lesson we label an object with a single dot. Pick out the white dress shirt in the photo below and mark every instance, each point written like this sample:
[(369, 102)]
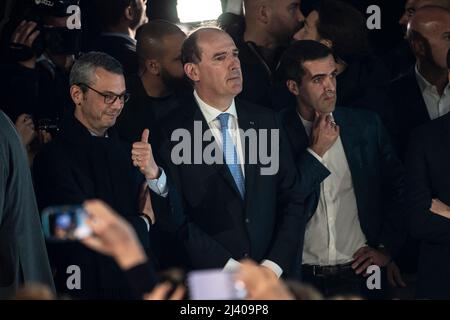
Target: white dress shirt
[(437, 105), (333, 234), (210, 113)]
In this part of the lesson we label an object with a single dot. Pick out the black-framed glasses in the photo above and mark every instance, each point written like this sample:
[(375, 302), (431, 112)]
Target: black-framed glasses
[(109, 98)]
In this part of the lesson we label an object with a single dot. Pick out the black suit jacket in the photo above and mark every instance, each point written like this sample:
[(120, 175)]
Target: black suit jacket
[(428, 177), (75, 167), (377, 174), (218, 224), (408, 109)]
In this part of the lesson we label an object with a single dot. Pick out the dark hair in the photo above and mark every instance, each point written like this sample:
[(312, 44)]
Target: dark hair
[(345, 26), (291, 64), (110, 11), (190, 52), (84, 68), (150, 36)]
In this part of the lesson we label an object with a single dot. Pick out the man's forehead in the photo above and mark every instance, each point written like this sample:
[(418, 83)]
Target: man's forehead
[(320, 66), (213, 43)]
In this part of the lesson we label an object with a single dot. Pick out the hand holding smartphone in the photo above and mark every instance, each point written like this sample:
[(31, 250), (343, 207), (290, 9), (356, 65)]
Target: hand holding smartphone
[(62, 223)]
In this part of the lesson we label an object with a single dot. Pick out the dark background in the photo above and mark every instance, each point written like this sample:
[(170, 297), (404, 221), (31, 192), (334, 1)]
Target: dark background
[(382, 40)]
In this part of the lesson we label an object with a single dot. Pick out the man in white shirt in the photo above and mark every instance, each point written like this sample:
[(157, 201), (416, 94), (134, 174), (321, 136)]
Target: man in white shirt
[(422, 94), (232, 210), (350, 172)]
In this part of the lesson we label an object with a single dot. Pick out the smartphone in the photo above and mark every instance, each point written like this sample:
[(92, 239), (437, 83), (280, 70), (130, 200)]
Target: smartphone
[(214, 284), (64, 223)]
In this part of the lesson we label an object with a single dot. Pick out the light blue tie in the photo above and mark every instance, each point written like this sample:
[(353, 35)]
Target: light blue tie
[(230, 154)]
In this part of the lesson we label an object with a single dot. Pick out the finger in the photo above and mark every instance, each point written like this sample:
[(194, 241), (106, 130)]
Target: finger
[(15, 36), (364, 266), (159, 292), (31, 38), (179, 293), (140, 151), (28, 28), (93, 243), (145, 135), (360, 251), (361, 259)]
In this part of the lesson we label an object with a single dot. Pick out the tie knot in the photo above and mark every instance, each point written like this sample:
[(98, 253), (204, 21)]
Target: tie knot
[(223, 118)]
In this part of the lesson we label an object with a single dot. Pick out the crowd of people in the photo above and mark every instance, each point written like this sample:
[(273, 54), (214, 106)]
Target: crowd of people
[(276, 146)]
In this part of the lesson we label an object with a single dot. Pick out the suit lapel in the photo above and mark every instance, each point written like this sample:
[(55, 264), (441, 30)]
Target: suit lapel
[(353, 143), (295, 131)]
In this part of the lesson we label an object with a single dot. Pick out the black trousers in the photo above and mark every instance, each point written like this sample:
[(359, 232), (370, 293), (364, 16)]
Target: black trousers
[(347, 283)]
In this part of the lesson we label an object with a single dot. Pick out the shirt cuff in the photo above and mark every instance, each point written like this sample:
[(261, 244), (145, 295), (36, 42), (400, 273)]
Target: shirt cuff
[(273, 266), (146, 222), (315, 155), (159, 186), (231, 266)]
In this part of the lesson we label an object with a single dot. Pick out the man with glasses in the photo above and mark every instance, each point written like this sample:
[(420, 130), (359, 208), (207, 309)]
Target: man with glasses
[(88, 160)]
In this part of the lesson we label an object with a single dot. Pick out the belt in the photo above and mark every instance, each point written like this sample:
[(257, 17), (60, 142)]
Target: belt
[(327, 271)]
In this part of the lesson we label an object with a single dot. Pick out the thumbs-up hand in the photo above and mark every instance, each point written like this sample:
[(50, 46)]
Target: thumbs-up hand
[(142, 157)]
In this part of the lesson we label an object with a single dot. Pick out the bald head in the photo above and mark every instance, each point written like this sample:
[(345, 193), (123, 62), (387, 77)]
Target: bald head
[(151, 35), (412, 6), (191, 50), (429, 30)]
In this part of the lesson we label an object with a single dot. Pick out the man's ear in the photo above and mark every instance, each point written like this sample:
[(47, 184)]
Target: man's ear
[(153, 66), (77, 94), (129, 13), (191, 70), (264, 13), (293, 87), (417, 47), (327, 42)]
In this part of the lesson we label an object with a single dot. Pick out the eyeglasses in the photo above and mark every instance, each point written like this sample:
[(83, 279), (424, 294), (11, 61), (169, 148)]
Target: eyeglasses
[(109, 98)]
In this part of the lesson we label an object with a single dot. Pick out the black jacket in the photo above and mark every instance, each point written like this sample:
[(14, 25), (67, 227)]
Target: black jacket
[(377, 174), (75, 167), (428, 177), (408, 108), (218, 224)]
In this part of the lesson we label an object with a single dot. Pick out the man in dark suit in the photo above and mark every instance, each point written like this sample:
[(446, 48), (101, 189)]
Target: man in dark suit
[(152, 91), (269, 27), (423, 94), (428, 199), (237, 205), (87, 160), (349, 171), (119, 21)]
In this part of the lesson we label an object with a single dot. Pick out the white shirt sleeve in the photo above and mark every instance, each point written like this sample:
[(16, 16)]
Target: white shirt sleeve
[(273, 266), (315, 155), (159, 186)]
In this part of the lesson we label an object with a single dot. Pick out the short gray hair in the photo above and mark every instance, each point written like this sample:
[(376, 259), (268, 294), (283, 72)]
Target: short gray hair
[(84, 68)]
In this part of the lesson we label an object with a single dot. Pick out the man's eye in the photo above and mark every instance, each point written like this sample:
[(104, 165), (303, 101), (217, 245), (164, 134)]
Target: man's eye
[(317, 80)]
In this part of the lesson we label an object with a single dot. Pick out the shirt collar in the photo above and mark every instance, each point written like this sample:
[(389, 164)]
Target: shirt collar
[(210, 113)]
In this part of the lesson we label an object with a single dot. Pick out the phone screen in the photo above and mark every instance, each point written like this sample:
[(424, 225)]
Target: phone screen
[(65, 223), (214, 284)]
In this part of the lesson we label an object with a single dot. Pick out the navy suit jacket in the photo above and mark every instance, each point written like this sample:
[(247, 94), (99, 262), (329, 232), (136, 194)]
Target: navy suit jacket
[(377, 174), (428, 177), (408, 109), (217, 224)]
